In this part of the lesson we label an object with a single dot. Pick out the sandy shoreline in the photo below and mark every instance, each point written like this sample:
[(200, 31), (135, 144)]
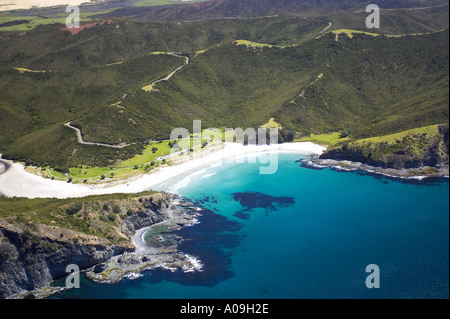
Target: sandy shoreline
[(18, 182)]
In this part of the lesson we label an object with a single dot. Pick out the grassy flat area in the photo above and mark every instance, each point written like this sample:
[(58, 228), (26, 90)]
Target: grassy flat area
[(88, 173), (330, 139), (141, 163), (350, 32), (253, 44), (271, 124), (148, 155), (148, 88)]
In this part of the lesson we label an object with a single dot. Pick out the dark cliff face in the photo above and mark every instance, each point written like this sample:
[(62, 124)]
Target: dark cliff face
[(150, 215), (32, 259), (30, 263), (435, 153)]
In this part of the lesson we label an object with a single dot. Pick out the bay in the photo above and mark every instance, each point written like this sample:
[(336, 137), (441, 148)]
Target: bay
[(302, 233)]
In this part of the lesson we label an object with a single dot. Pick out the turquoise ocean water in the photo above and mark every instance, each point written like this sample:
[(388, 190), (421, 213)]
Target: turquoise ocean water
[(302, 233)]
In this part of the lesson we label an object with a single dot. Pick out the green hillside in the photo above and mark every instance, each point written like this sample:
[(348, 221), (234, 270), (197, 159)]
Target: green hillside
[(309, 82), (364, 85), (415, 148)]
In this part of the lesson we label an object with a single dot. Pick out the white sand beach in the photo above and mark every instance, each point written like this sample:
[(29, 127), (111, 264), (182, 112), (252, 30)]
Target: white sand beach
[(6, 5), (16, 181)]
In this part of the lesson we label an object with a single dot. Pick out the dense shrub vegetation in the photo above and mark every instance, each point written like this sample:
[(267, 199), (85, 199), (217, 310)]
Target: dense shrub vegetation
[(365, 85)]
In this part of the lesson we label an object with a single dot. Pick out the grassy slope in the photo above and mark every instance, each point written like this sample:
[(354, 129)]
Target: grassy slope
[(334, 139), (328, 139), (412, 148), (428, 131), (415, 142)]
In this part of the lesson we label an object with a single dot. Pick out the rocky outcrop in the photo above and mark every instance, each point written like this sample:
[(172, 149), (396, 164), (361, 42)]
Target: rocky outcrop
[(31, 262), (151, 214), (416, 153), (32, 257), (161, 250)]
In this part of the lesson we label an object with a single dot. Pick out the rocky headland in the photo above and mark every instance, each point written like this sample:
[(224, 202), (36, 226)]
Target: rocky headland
[(412, 156), (101, 235), (155, 246)]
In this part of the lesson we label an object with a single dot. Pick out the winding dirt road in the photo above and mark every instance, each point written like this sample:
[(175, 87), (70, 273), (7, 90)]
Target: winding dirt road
[(176, 70), (80, 139), (150, 88)]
